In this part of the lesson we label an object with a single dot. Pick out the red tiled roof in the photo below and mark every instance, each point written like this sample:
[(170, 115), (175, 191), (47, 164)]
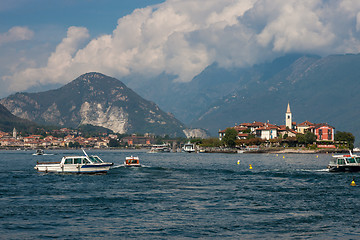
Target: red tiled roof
[(319, 125), (243, 134), (267, 128), (306, 123), (257, 124)]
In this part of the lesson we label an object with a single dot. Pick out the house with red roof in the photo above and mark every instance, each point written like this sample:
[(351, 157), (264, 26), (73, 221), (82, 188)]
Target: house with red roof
[(269, 131)]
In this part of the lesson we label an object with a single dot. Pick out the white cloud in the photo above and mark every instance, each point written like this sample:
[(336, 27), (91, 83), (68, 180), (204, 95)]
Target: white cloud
[(58, 64), (16, 34), (182, 37)]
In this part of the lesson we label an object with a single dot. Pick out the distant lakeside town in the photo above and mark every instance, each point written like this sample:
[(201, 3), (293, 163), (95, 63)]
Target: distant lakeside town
[(245, 137)]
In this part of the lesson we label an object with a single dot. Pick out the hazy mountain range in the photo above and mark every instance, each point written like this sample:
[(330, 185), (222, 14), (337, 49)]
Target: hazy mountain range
[(318, 89)]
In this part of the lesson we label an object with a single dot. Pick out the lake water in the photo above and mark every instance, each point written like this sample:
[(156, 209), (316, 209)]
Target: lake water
[(180, 196)]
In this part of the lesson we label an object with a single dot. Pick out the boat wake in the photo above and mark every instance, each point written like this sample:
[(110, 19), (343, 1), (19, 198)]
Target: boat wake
[(125, 166), (45, 154), (314, 170)]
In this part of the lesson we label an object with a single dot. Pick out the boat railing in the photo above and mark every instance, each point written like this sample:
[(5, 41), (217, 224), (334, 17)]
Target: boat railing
[(48, 162)]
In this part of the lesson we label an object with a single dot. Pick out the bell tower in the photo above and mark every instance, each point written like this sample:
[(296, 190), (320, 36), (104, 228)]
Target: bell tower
[(288, 117)]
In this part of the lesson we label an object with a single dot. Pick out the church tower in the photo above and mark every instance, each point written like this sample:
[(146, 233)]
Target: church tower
[(14, 133), (288, 117)]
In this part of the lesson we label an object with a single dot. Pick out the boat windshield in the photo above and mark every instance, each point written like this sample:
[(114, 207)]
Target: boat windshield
[(341, 161), (95, 159), (351, 160), (357, 159)]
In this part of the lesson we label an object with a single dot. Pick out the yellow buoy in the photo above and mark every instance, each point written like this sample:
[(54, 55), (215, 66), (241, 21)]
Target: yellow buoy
[(250, 167), (238, 162), (353, 183), (283, 156), (317, 156)]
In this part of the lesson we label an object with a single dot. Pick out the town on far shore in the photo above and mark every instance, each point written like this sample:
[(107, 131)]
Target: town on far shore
[(291, 137), (252, 137)]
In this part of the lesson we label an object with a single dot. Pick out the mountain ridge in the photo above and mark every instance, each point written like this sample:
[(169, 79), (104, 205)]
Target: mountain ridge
[(8, 121), (95, 99)]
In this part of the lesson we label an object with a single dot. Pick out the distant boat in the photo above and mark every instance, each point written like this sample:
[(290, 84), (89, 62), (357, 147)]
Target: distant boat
[(345, 163), (160, 148), (39, 152), (189, 147), (75, 164), (132, 162)]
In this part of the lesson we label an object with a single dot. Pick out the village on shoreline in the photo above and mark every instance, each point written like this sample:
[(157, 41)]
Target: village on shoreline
[(255, 137)]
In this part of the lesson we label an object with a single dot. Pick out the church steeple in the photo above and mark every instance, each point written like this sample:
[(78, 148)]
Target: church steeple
[(288, 108), (288, 117)]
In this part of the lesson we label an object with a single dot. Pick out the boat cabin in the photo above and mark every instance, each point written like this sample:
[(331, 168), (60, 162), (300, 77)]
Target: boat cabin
[(132, 161), (345, 160)]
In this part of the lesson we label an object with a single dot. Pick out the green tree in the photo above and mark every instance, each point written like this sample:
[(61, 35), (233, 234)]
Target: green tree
[(300, 138), (211, 142), (113, 143), (347, 137), (230, 137), (310, 137)]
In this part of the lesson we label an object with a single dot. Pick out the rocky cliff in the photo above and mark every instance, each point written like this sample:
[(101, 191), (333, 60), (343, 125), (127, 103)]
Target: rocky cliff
[(98, 100)]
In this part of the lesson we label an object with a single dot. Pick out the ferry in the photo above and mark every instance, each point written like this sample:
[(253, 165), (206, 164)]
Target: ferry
[(75, 164), (132, 162), (160, 148), (345, 163)]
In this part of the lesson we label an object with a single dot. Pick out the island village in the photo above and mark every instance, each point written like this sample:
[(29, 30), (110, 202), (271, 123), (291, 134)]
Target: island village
[(246, 137)]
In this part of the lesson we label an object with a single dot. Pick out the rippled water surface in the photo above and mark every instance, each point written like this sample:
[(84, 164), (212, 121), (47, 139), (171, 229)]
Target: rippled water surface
[(180, 196)]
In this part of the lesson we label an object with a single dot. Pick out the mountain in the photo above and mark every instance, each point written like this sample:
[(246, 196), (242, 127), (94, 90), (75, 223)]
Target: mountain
[(318, 89), (8, 121), (189, 101), (98, 100)]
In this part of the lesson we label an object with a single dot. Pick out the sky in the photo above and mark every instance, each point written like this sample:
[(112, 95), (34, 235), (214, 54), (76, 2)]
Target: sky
[(51, 42)]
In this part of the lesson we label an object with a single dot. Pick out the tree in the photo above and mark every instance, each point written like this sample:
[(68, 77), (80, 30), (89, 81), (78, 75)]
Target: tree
[(211, 142), (230, 137), (347, 137), (113, 143), (300, 138), (310, 137)]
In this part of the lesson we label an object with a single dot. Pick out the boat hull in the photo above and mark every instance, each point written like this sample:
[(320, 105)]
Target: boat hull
[(132, 165), (73, 168), (346, 168)]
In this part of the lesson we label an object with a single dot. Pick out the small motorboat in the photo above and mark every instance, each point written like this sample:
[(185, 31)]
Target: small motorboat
[(189, 147), (75, 164), (345, 163), (39, 152), (132, 162)]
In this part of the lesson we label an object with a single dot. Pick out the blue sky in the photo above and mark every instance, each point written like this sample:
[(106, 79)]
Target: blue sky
[(98, 16), (44, 43)]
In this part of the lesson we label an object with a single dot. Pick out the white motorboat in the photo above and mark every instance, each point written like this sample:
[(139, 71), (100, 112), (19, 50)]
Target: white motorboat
[(75, 164), (189, 147), (160, 148), (39, 152), (132, 162), (345, 163)]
